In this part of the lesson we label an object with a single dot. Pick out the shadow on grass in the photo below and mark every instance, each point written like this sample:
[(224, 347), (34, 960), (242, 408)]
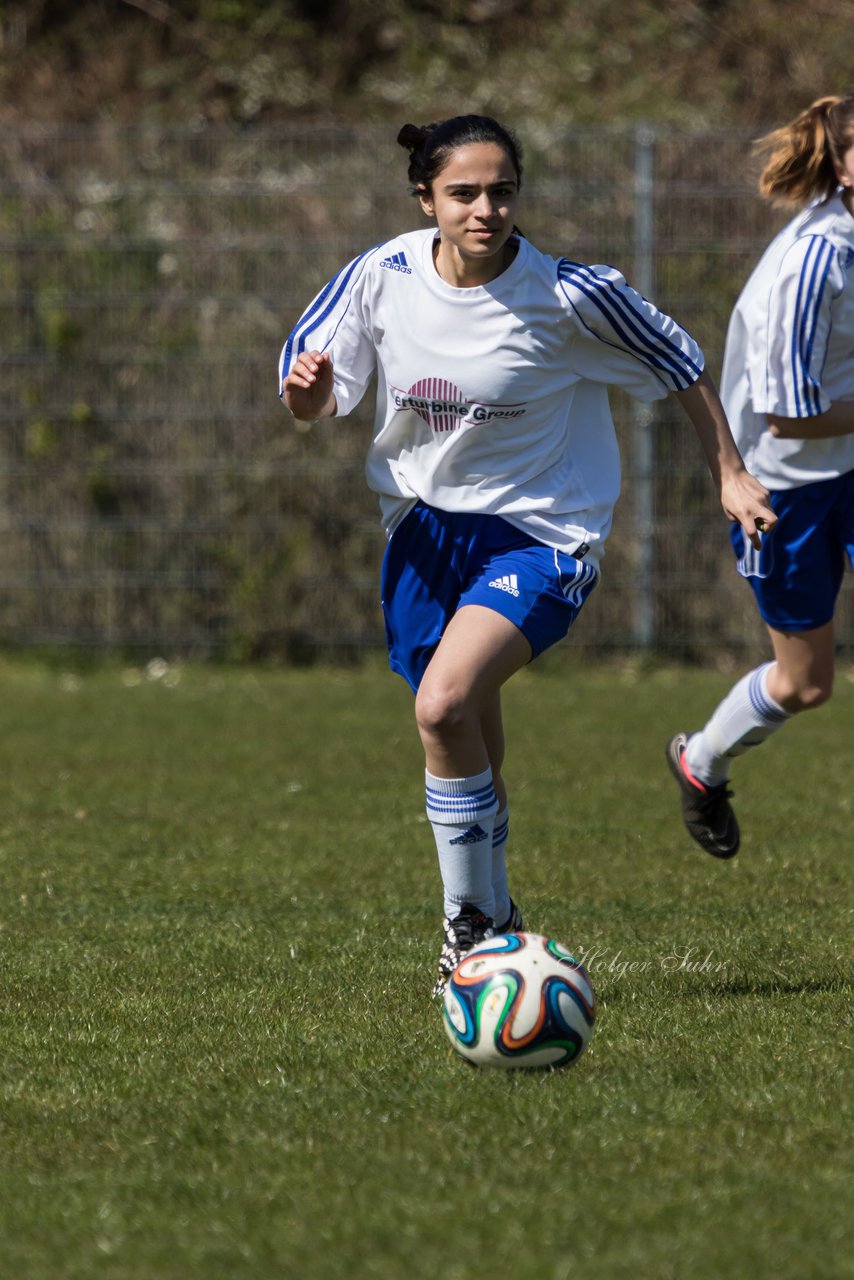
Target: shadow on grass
[(737, 988), (779, 987)]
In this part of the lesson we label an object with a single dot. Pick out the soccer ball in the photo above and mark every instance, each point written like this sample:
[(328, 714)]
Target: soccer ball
[(519, 1000)]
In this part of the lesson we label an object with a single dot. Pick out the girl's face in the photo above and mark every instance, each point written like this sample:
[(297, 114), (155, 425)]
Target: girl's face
[(845, 174), (473, 200)]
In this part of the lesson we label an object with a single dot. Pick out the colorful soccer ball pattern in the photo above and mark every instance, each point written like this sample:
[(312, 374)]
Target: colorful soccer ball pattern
[(520, 1000)]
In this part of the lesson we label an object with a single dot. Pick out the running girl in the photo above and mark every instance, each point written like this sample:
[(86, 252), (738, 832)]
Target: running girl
[(495, 460), (788, 388)]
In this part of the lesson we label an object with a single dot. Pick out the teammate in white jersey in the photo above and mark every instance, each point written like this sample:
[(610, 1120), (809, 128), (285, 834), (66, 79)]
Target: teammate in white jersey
[(788, 389), (495, 461)]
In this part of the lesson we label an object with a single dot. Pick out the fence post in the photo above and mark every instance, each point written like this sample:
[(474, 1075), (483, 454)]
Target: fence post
[(643, 445)]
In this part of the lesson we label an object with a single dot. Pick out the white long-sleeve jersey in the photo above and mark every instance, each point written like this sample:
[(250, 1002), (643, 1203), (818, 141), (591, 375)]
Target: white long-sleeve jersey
[(494, 399), (790, 347)]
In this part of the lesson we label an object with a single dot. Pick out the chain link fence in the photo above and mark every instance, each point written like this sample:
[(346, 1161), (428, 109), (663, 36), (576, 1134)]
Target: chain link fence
[(154, 494)]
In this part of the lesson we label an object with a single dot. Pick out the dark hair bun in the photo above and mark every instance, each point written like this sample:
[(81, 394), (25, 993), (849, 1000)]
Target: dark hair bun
[(412, 136)]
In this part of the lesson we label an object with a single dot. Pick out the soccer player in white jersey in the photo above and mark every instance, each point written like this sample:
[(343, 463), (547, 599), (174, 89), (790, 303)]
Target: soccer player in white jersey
[(495, 460), (788, 390)]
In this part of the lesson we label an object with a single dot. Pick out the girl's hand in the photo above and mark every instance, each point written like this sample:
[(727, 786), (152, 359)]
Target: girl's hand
[(307, 389), (744, 499)]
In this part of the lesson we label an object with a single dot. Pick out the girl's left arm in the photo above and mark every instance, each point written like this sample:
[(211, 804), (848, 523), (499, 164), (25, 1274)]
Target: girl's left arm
[(838, 420), (742, 497)]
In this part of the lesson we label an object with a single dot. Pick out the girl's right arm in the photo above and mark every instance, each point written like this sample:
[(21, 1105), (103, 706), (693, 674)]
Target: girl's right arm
[(307, 389), (335, 325)]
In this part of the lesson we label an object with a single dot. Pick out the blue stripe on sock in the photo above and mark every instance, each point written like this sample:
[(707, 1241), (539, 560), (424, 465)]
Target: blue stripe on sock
[(483, 795), (766, 710), (464, 806)]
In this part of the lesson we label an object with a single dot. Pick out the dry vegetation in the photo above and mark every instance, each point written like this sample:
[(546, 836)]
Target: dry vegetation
[(696, 62)]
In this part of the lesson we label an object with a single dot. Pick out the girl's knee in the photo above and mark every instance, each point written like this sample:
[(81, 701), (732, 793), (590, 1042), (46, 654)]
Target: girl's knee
[(440, 711), (808, 696), (815, 695)]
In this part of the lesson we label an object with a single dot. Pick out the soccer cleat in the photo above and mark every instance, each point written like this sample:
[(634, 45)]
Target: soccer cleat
[(706, 811), (462, 933), (514, 922)]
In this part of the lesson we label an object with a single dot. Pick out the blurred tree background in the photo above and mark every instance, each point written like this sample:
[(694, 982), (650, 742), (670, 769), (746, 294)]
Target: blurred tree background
[(685, 62), (179, 177)]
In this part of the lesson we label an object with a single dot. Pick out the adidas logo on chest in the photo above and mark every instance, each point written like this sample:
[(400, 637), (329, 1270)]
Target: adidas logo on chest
[(397, 262)]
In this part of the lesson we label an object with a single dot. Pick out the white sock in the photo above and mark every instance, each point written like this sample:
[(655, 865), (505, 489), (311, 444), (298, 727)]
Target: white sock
[(462, 812), (500, 892), (746, 717)]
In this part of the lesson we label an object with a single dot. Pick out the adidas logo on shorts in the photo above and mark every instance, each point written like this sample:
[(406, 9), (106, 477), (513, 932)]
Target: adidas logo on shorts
[(509, 583)]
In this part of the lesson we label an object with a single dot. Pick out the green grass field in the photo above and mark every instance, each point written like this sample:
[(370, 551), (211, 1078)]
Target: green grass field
[(220, 919)]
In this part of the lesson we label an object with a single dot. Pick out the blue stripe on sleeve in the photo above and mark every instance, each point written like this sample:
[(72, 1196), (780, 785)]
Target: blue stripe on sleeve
[(318, 312), (652, 346), (811, 286)]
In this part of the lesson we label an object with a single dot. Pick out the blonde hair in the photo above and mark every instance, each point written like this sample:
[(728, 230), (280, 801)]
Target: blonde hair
[(803, 157)]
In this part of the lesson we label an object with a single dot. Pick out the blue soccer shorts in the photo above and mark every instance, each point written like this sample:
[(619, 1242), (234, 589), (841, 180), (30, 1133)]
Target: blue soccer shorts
[(798, 572), (438, 561)]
